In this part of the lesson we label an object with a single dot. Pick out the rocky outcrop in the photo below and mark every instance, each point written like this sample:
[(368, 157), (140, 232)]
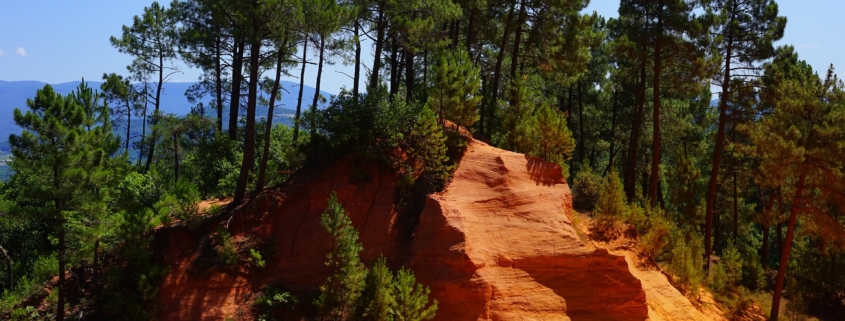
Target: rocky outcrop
[(496, 244)]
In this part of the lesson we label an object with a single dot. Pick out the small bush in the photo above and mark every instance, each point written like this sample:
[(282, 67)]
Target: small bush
[(610, 205), (657, 238), (686, 261), (226, 251), (271, 301), (586, 187), (255, 258)]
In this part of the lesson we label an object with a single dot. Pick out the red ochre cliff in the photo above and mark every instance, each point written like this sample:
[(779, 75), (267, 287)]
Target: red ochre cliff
[(496, 244)]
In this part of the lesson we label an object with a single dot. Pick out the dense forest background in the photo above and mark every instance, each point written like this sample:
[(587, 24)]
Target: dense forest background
[(740, 191)]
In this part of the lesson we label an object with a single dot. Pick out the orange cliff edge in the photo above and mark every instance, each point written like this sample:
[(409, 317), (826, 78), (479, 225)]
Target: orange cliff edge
[(496, 244)]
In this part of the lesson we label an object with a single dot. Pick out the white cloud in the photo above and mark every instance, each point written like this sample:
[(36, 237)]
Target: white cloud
[(21, 52), (810, 46)]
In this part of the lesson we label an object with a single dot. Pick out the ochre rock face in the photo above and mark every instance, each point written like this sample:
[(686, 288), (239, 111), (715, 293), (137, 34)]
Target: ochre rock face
[(496, 244)]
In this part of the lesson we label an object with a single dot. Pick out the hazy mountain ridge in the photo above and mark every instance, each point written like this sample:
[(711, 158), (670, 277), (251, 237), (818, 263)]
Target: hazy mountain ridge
[(13, 94)]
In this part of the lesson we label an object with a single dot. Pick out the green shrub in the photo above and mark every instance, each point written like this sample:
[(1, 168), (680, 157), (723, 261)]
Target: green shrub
[(653, 242), (255, 258), (226, 251), (586, 187), (687, 258), (610, 205), (271, 301)]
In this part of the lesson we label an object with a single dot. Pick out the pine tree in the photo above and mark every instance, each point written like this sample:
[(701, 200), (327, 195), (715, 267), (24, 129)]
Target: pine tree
[(343, 287), (377, 300), (412, 302), (151, 41), (801, 146), (429, 145), (64, 151), (455, 84), (746, 30)]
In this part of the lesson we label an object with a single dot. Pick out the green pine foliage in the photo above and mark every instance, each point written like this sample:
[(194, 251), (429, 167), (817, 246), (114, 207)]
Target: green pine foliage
[(586, 188), (341, 290), (455, 83), (428, 144), (377, 299), (610, 205), (412, 303)]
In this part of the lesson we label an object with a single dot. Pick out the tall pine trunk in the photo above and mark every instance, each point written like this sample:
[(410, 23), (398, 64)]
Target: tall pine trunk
[(633, 150), (717, 152), (252, 97), (409, 74), (581, 144), (319, 78), (357, 77), (787, 246), (95, 280), (612, 132), (394, 68), (128, 123), (296, 118), (144, 124), (237, 78), (265, 153), (517, 39), (218, 86), (380, 26), (655, 147), (497, 77), (156, 112)]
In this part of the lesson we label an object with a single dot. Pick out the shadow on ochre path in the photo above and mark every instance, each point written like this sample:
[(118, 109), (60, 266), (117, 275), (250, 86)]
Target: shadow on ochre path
[(597, 286), (543, 173)]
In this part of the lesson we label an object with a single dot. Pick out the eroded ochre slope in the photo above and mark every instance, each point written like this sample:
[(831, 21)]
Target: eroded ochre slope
[(496, 244)]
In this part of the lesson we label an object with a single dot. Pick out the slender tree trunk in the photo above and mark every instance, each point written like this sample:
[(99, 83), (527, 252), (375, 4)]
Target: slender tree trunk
[(249, 140), (764, 253), (9, 273), (736, 213), (265, 154), (237, 79), (717, 152), (218, 78), (296, 117), (516, 40), (613, 132), (633, 150), (409, 74), (394, 68), (128, 124), (60, 306), (581, 144), (380, 26), (319, 78), (357, 78), (655, 147), (95, 280), (176, 155), (497, 77), (156, 112), (787, 246), (144, 125), (482, 106)]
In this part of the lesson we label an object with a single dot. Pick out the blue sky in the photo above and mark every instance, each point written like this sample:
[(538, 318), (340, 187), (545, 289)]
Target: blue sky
[(58, 41)]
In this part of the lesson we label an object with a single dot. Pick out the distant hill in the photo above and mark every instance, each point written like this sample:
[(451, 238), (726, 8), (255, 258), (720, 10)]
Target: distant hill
[(13, 94)]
